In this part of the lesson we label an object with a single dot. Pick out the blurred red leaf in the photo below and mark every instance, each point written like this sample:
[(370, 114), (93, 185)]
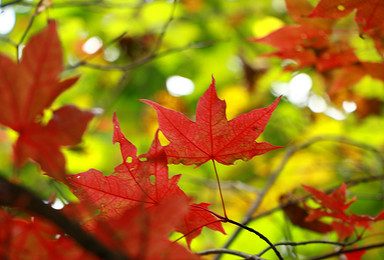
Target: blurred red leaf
[(336, 201), (369, 13), (212, 136), (334, 206), (28, 88), (298, 216), (33, 238), (141, 233), (299, 11)]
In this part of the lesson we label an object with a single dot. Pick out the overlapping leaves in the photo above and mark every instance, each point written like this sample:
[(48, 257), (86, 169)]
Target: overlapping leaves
[(335, 206), (131, 185), (313, 43), (29, 87)]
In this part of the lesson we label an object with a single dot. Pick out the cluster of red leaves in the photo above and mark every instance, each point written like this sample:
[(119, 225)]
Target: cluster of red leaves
[(29, 87), (335, 206), (313, 43), (131, 186), (141, 183), (138, 205)]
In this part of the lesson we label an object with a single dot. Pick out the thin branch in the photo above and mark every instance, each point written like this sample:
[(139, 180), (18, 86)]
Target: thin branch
[(255, 205), (350, 250), (307, 243), (259, 235), (97, 53), (9, 41), (13, 195), (230, 252), (144, 60), (73, 4), (275, 174), (24, 35), (10, 3), (160, 38), (226, 219)]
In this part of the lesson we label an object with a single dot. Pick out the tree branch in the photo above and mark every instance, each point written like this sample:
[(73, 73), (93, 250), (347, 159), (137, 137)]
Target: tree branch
[(307, 243), (230, 252), (350, 250), (275, 174), (13, 195)]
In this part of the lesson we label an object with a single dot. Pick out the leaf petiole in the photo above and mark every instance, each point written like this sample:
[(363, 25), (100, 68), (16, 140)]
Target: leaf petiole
[(218, 184)]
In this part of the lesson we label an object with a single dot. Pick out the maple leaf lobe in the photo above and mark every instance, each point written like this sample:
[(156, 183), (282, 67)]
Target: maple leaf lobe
[(212, 136)]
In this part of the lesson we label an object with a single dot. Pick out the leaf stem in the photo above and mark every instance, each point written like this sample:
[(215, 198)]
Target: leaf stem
[(218, 184)]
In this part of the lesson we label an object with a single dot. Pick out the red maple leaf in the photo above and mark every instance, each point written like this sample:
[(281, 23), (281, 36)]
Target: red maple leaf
[(131, 185), (29, 87), (302, 42), (369, 13), (212, 136), (336, 201), (334, 205)]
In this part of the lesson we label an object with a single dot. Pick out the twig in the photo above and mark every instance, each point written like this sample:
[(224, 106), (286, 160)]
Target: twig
[(10, 3), (226, 219), (72, 4), (258, 234), (13, 195), (255, 205), (257, 202), (23, 36), (144, 60), (350, 250), (307, 243), (165, 27), (9, 41), (231, 252)]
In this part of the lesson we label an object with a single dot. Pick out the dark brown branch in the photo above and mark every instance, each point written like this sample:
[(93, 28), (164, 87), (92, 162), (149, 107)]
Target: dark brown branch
[(255, 205), (230, 252), (226, 219), (13, 195), (72, 4), (350, 250), (308, 243), (10, 3)]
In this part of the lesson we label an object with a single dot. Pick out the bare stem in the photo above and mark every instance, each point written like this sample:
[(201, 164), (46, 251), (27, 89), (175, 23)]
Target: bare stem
[(350, 250), (218, 184)]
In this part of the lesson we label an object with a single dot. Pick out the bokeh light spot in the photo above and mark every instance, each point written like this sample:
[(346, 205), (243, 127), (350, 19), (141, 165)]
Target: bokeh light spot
[(7, 20), (349, 106), (179, 86), (92, 45)]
